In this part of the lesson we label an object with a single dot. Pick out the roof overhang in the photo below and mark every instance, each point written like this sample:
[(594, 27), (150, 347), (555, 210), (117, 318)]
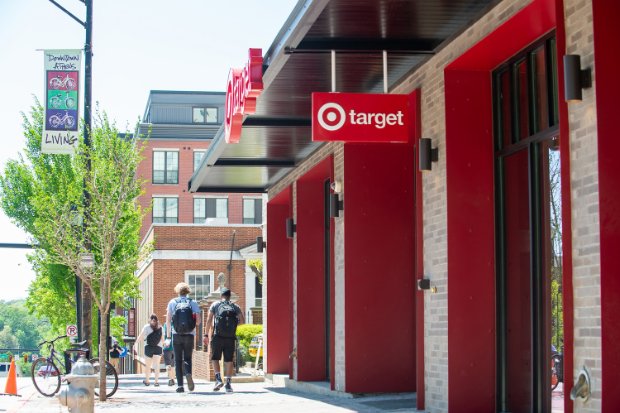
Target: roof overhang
[(278, 137)]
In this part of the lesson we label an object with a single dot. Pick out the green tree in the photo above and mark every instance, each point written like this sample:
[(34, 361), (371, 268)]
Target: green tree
[(26, 329), (7, 338), (50, 189)]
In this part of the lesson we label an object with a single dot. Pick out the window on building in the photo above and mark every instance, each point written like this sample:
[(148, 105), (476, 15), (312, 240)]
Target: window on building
[(253, 211), (165, 210), (165, 167), (197, 159), (205, 208), (204, 115), (200, 282)]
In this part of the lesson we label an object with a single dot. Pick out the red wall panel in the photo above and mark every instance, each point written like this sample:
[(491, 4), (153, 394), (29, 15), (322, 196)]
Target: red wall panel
[(607, 60), (311, 354), (379, 264), (279, 287), (471, 245)]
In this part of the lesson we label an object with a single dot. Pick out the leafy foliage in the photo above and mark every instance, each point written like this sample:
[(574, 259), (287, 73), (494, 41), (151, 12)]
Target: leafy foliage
[(19, 328), (256, 265), (245, 332), (44, 194)]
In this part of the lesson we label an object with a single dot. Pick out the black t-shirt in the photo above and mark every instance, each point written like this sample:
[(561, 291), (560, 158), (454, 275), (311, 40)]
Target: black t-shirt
[(116, 351)]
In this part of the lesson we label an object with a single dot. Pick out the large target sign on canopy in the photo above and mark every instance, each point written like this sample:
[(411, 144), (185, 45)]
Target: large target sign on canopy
[(361, 117)]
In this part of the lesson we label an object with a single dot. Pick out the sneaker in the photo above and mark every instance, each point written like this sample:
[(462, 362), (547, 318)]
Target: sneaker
[(190, 382), (180, 390), (218, 385), (171, 382), (228, 388)]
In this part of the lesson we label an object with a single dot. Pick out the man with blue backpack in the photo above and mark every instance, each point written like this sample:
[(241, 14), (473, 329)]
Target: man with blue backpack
[(181, 320), (224, 317)]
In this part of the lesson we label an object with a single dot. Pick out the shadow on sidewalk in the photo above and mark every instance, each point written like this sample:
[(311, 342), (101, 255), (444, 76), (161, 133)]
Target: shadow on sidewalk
[(405, 402)]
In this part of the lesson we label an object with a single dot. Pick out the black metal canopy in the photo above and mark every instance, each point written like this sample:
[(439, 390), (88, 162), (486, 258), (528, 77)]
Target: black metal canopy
[(278, 136)]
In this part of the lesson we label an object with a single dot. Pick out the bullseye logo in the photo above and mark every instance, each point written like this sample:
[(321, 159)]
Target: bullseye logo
[(331, 116)]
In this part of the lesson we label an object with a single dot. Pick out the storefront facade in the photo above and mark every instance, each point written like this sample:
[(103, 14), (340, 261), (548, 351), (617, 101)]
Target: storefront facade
[(514, 227)]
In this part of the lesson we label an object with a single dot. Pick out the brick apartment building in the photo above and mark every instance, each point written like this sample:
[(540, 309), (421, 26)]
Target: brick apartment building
[(191, 235)]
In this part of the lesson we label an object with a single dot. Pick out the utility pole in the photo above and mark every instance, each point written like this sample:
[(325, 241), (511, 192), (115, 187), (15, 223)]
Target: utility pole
[(83, 301), (87, 319)]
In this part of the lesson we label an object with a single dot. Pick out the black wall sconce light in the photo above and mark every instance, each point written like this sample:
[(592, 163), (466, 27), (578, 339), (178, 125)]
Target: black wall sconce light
[(575, 78), (424, 284), (291, 228), (260, 244), (427, 155), (335, 205)]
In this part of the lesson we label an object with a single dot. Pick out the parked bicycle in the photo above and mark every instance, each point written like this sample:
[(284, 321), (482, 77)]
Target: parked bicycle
[(46, 375), (58, 101), (59, 83), (65, 120), (557, 369)]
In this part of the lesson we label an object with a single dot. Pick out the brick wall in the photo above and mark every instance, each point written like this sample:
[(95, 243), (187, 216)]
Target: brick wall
[(203, 238), (585, 207), (186, 169), (430, 79), (168, 273)]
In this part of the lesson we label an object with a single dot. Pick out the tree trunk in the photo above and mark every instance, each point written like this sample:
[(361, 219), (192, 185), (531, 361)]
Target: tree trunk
[(103, 351)]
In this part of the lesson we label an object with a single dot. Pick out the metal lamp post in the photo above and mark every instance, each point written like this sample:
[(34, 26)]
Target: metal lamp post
[(82, 299)]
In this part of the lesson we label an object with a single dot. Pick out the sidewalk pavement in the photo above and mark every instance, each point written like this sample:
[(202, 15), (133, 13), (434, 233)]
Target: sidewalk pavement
[(133, 397)]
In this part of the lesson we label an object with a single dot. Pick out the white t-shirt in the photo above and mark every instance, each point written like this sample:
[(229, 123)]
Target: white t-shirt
[(146, 330)]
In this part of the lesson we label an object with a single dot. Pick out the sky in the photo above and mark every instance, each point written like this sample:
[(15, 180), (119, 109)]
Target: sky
[(138, 46)]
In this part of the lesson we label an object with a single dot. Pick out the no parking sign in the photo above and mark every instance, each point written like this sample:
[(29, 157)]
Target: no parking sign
[(71, 330)]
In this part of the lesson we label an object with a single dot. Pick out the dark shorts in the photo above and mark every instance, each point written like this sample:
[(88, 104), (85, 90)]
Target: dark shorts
[(221, 345), (169, 358), (151, 351)]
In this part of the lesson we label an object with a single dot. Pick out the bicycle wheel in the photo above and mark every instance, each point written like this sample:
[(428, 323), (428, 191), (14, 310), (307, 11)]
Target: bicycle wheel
[(111, 382), (70, 122), (54, 121), (555, 379), (45, 377)]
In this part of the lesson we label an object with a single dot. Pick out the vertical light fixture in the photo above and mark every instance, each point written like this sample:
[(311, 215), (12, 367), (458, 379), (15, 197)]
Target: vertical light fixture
[(427, 155), (335, 205), (291, 228), (575, 78), (260, 244)]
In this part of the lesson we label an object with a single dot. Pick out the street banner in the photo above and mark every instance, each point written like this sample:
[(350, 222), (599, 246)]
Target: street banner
[(62, 84), (361, 117)]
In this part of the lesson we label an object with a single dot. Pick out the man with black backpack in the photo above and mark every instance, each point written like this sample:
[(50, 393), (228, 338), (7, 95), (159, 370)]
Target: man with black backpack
[(224, 317), (181, 319)]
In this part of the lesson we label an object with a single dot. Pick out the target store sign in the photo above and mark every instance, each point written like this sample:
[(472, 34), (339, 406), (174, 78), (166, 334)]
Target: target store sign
[(244, 86), (360, 117)]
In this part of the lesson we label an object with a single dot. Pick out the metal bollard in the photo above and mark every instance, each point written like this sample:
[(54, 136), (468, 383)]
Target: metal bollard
[(79, 395)]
